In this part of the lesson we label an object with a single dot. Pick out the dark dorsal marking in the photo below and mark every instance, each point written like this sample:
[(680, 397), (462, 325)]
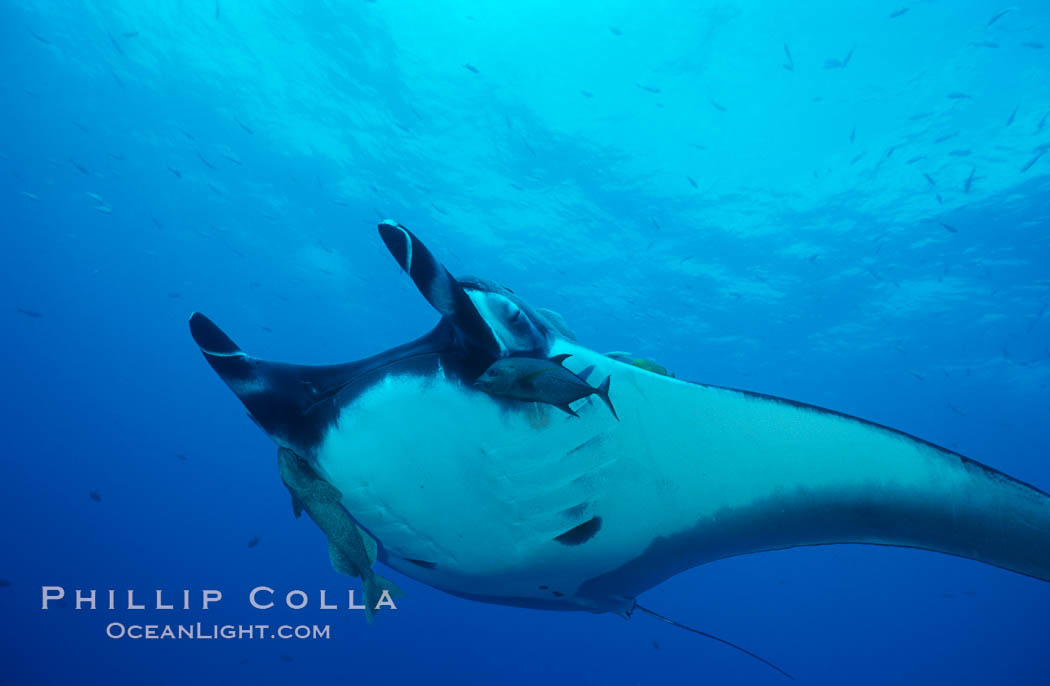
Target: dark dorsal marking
[(582, 533), (422, 563)]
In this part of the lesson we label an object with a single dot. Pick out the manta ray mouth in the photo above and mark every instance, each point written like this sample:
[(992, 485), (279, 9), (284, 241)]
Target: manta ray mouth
[(352, 384)]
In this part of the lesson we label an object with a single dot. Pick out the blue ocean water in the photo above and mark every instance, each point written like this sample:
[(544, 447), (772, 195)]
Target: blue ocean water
[(841, 203)]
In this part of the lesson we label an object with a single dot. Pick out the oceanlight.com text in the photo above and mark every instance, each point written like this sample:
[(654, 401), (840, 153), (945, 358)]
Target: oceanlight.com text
[(201, 631)]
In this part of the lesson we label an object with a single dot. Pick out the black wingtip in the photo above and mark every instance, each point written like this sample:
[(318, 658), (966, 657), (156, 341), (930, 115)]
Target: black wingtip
[(210, 338), (398, 241)]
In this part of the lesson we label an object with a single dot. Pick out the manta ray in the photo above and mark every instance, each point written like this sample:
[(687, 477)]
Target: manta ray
[(504, 501)]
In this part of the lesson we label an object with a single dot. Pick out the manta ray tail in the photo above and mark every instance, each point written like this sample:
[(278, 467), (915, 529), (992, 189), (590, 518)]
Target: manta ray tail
[(659, 616)]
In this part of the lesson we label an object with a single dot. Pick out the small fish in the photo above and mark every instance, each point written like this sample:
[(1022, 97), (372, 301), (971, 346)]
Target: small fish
[(232, 158), (207, 164), (95, 495), (253, 541), (539, 380), (969, 180), (790, 65), (929, 179), (615, 31), (948, 227), (1013, 114), (957, 95), (692, 182), (717, 106), (244, 126), (960, 153), (174, 295), (1030, 163), (5, 583), (287, 658), (216, 9), (853, 134), (130, 34), (32, 314), (176, 172), (116, 156), (985, 44), (940, 200), (920, 116), (81, 127), (890, 152), (116, 45), (79, 167), (40, 38), (640, 362), (471, 68), (1033, 45), (856, 158), (999, 16), (1042, 123), (187, 134), (946, 137), (899, 13), (586, 94), (650, 89), (915, 159), (104, 209), (28, 195), (181, 457), (835, 63), (156, 222)]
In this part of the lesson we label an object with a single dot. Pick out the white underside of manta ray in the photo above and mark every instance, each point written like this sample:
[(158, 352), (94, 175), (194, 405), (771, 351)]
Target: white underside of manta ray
[(505, 501)]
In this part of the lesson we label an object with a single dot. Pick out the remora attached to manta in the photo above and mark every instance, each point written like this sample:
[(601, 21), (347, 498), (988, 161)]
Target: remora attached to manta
[(519, 503)]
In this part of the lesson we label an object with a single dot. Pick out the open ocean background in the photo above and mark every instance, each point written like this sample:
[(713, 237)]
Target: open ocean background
[(863, 224)]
